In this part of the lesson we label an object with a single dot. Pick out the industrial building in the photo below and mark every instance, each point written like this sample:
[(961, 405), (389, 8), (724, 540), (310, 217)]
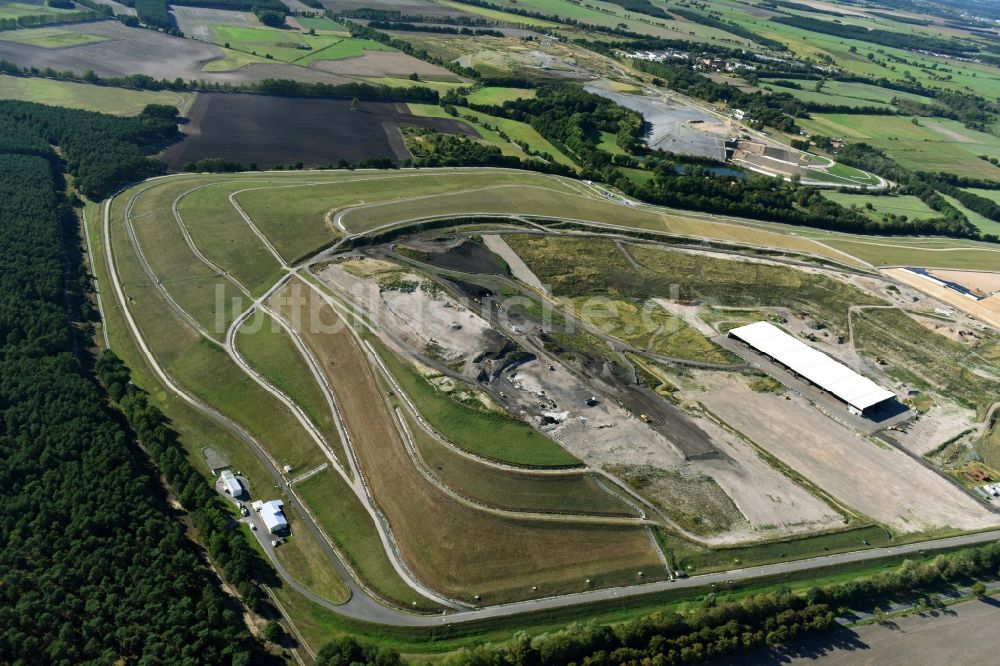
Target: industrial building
[(231, 484), (861, 394), (272, 515)]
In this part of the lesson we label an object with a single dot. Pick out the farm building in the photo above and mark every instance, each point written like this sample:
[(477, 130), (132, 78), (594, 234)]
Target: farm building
[(231, 484), (859, 393), (273, 516)]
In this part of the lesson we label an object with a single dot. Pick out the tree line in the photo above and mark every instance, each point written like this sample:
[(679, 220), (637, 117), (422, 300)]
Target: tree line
[(572, 119), (929, 187), (102, 152), (436, 29), (899, 40), (282, 87), (718, 628), (96, 569), (41, 20), (730, 27)]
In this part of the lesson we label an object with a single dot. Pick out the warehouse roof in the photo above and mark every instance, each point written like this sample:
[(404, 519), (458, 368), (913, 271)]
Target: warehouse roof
[(273, 516), (830, 375), (232, 483)]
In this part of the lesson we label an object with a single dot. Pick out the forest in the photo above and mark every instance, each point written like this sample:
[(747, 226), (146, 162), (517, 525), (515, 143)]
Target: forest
[(96, 566), (102, 152), (572, 120)]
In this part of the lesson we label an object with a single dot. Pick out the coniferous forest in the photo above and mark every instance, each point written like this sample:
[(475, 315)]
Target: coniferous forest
[(95, 569)]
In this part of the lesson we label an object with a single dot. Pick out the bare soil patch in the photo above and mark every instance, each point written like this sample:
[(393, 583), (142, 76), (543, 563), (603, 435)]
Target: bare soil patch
[(876, 480), (424, 318), (988, 283), (382, 63), (518, 268), (161, 56), (194, 22), (278, 130)]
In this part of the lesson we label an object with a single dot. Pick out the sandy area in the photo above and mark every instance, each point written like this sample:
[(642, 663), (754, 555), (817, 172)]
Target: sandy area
[(606, 435), (988, 283), (771, 502), (517, 265), (941, 423), (420, 319), (876, 480), (986, 310)]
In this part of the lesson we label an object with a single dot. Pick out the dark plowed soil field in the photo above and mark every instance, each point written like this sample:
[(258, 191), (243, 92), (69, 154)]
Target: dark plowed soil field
[(281, 130)]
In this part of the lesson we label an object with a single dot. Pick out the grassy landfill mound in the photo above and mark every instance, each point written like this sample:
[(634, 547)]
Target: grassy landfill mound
[(508, 557)]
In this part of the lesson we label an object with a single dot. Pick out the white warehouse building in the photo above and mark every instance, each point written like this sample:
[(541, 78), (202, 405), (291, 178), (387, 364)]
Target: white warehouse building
[(859, 393), (231, 484), (273, 516)]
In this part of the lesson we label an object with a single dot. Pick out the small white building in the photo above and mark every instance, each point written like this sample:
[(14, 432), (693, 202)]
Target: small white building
[(231, 484), (273, 517)]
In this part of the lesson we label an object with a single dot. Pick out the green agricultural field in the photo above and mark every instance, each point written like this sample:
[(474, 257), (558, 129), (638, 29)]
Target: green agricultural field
[(935, 144), (910, 206), (885, 62), (13, 10), (289, 46), (897, 252), (231, 60), (497, 15), (810, 96), (484, 433), (117, 101), (50, 38), (870, 93), (497, 96), (518, 131), (487, 136), (983, 223), (322, 24)]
